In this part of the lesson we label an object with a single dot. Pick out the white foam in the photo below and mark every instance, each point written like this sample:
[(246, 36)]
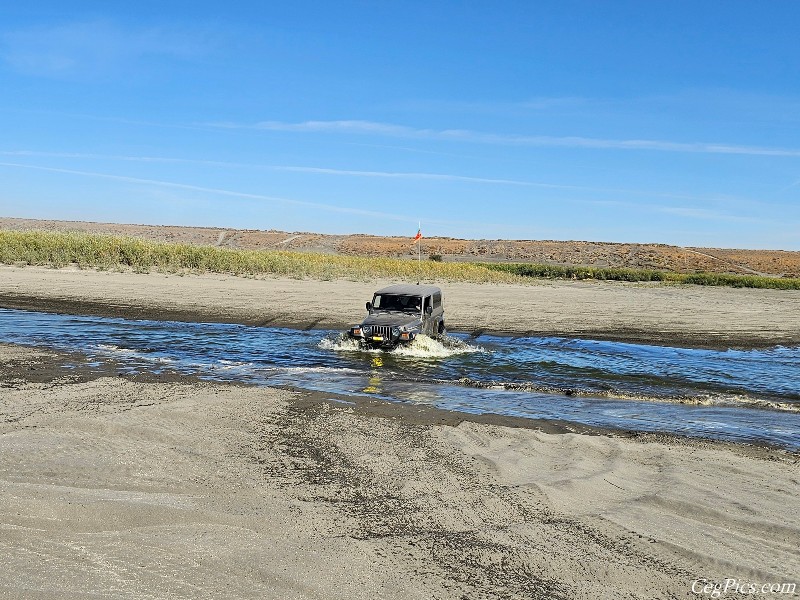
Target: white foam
[(113, 348), (331, 370), (343, 343), (731, 400), (425, 347), (422, 347)]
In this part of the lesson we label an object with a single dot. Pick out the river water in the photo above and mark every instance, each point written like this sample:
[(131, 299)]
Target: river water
[(750, 396)]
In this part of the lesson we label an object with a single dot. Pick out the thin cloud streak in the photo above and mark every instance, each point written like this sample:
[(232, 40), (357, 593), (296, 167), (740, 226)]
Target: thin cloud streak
[(93, 48), (688, 212), (197, 188), (360, 127), (354, 173), (705, 214), (790, 186), (287, 168), (415, 175), (249, 196)]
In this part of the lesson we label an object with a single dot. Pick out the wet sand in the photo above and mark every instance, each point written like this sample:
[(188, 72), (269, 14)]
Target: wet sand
[(690, 316), (173, 488)]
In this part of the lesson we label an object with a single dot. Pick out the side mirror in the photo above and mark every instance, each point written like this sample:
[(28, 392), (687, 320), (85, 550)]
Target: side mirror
[(369, 306), (429, 310)]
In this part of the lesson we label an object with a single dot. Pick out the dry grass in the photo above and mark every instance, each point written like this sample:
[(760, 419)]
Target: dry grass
[(58, 249), (110, 252)]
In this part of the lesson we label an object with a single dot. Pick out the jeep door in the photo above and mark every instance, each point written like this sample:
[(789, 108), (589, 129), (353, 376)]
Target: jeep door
[(428, 320)]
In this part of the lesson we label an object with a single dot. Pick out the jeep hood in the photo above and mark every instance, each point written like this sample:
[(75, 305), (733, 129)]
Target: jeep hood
[(395, 318)]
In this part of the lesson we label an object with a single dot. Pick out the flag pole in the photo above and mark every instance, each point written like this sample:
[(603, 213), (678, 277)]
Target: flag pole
[(419, 248), (419, 252)]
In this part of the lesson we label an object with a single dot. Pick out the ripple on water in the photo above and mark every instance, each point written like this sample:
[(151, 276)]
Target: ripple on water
[(696, 392)]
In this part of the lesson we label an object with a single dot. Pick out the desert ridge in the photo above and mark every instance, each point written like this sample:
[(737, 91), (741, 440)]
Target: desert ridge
[(781, 263)]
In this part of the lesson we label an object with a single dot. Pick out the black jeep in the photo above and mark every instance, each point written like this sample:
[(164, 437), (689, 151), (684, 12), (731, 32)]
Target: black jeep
[(399, 313)]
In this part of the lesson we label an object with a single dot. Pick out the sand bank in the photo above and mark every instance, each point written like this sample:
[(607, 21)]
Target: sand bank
[(112, 487), (691, 316)]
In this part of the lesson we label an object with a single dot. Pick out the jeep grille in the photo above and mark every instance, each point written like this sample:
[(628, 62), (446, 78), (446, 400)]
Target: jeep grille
[(383, 331)]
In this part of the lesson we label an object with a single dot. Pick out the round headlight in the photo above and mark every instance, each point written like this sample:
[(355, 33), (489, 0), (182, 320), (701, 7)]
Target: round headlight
[(395, 331), (367, 329)]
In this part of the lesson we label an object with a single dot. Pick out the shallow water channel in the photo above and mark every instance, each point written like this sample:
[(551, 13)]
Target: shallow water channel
[(751, 396)]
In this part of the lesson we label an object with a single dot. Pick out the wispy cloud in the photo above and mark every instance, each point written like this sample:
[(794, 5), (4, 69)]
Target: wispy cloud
[(257, 197), (354, 173), (692, 103), (91, 48), (692, 213), (704, 214), (689, 212), (450, 106), (790, 186), (286, 168), (358, 127), (352, 126), (217, 191)]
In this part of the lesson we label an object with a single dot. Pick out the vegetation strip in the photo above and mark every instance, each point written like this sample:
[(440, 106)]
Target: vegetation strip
[(57, 249), (617, 274)]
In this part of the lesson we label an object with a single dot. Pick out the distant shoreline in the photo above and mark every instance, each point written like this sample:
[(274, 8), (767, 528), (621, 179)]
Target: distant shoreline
[(594, 254), (685, 316)]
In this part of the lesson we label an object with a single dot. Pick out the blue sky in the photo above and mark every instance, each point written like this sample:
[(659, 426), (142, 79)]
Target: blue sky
[(674, 122)]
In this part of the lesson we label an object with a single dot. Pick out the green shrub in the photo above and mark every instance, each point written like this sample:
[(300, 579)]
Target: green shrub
[(527, 270)]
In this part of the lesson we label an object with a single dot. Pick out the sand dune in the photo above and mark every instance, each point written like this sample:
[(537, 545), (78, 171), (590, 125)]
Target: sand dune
[(676, 496)]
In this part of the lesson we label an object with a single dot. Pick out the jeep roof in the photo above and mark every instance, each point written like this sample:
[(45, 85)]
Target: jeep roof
[(406, 289)]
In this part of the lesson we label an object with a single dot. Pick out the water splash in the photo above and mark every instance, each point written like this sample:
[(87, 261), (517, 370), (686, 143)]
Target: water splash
[(343, 343), (422, 347), (426, 347)]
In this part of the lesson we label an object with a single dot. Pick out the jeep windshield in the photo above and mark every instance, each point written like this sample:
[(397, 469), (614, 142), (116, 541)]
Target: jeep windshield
[(397, 303)]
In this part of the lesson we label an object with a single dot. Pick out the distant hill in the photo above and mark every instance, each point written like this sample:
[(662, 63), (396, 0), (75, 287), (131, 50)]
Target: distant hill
[(596, 254)]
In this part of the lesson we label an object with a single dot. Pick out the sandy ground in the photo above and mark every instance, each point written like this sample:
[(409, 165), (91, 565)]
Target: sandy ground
[(692, 316), (119, 488)]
